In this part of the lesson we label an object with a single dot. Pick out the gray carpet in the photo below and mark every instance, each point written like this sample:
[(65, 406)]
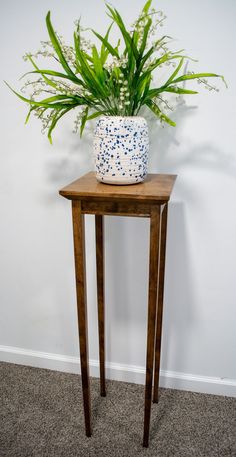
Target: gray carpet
[(41, 415)]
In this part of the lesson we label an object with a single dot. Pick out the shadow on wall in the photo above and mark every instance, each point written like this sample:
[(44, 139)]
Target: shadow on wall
[(179, 290), (202, 156), (72, 157), (127, 261)]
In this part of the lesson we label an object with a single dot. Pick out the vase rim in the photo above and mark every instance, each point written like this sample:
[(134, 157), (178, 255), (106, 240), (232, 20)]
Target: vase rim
[(123, 117)]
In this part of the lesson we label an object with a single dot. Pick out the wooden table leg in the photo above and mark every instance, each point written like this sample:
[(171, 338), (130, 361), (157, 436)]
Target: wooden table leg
[(80, 273), (152, 299), (161, 278), (99, 228)]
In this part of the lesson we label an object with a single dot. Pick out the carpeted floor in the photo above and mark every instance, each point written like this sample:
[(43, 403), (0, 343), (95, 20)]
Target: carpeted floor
[(42, 416)]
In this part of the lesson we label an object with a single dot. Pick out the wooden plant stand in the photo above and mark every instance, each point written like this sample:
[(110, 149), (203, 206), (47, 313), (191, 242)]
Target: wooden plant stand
[(148, 199)]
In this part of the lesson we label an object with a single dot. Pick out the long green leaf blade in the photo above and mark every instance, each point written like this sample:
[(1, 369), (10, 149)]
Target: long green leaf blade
[(55, 121), (176, 71), (94, 115), (47, 80), (104, 50), (107, 44), (131, 48), (83, 121), (57, 74), (178, 90), (57, 46), (145, 37), (28, 115), (47, 102), (97, 65), (196, 76), (147, 6), (156, 110)]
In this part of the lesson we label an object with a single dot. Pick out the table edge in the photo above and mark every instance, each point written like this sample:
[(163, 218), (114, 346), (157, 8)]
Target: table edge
[(135, 198), (75, 195)]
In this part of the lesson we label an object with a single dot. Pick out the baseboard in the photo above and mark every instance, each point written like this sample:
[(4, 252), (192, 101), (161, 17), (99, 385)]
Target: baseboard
[(119, 372)]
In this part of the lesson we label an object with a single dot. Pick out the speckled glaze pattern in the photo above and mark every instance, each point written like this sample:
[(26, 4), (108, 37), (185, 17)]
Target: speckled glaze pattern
[(121, 146)]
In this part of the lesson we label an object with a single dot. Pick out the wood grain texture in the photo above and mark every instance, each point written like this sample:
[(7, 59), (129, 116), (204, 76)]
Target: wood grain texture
[(116, 208), (155, 188), (80, 275), (161, 278), (152, 299), (99, 231)]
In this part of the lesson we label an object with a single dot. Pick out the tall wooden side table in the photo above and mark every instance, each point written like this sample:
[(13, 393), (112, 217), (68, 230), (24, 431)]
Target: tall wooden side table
[(148, 199)]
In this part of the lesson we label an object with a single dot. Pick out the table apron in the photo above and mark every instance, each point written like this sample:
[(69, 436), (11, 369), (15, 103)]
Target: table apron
[(117, 208)]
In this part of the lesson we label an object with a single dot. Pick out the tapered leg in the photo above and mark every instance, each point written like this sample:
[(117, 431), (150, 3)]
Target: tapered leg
[(161, 278), (99, 225), (80, 273), (152, 298)]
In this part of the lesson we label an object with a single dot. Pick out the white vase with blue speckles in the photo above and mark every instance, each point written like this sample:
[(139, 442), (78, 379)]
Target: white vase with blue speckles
[(121, 146)]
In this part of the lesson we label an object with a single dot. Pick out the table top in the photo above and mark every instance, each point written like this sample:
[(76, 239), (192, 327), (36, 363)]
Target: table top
[(155, 188)]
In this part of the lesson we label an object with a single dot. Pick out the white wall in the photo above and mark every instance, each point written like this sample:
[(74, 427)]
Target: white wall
[(37, 295)]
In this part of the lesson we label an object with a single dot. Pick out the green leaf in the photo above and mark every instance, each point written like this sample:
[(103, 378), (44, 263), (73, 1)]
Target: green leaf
[(179, 90), (77, 50), (135, 38), (175, 72), (130, 45), (88, 57), (107, 44), (28, 115), (57, 74), (47, 80), (47, 101), (196, 76), (147, 83), (97, 64), (104, 51), (156, 110), (83, 121), (146, 57), (57, 46), (94, 84), (118, 45), (77, 46), (94, 115), (165, 58), (54, 98), (143, 83), (55, 121), (145, 37), (151, 51), (142, 91), (147, 6)]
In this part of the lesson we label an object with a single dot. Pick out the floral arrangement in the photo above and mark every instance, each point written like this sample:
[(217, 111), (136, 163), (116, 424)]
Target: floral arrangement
[(114, 80)]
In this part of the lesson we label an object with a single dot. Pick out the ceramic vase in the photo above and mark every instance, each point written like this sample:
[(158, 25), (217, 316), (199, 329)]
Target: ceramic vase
[(121, 147)]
